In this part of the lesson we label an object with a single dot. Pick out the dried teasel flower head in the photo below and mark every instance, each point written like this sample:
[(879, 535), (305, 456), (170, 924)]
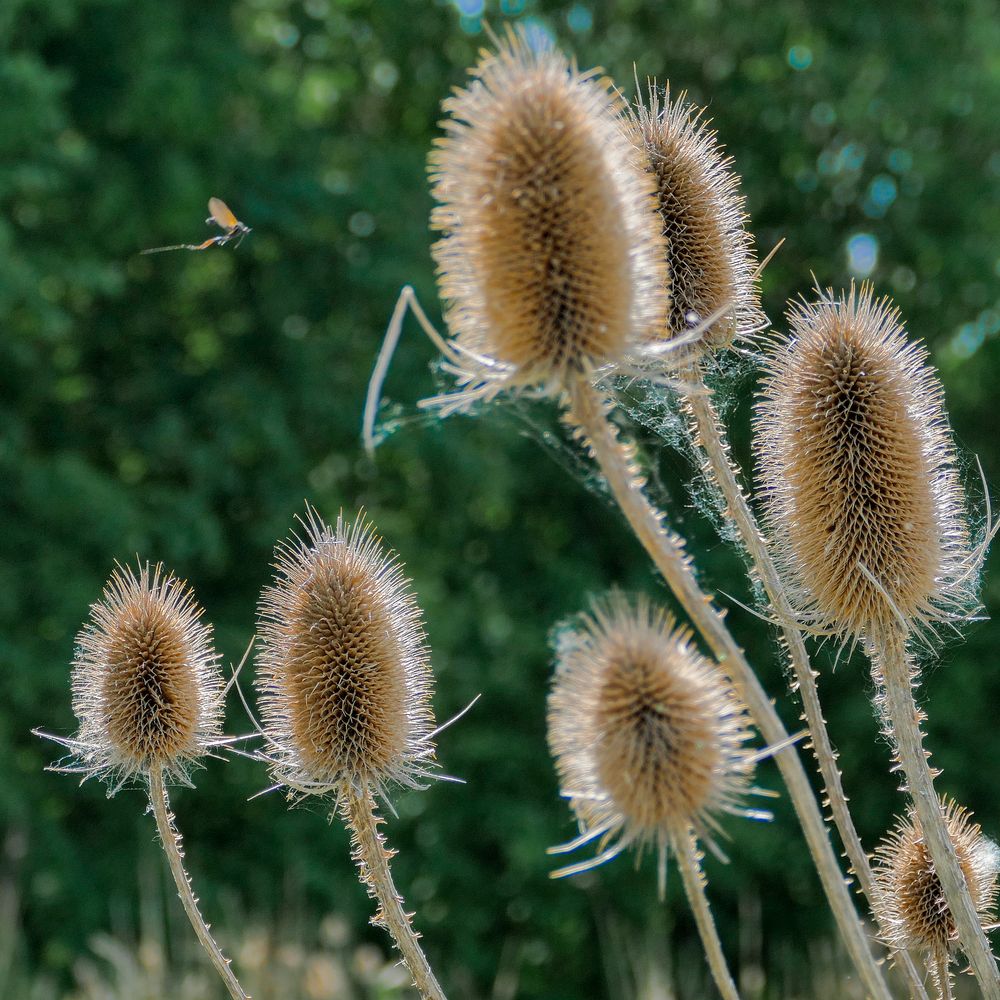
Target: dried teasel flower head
[(911, 904), (648, 737), (343, 665), (551, 261), (858, 472), (147, 687), (709, 250)]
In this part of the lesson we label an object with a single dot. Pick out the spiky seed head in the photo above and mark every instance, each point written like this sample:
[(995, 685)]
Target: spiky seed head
[(709, 251), (858, 471), (343, 664), (551, 261), (147, 688), (648, 737), (912, 907)]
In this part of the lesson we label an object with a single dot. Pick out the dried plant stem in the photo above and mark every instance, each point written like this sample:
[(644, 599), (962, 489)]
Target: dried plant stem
[(943, 975), (689, 862), (893, 663), (171, 840), (588, 411), (372, 857), (711, 439)]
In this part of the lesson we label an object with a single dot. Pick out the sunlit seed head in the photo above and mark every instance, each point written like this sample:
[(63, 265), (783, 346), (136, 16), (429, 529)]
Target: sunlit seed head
[(858, 472), (912, 907), (147, 688), (709, 251), (648, 737), (343, 665), (550, 262)]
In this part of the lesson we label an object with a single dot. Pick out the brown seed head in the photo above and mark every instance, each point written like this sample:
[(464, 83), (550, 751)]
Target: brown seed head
[(858, 471), (912, 907), (551, 261), (709, 251), (147, 688), (648, 737), (343, 667)]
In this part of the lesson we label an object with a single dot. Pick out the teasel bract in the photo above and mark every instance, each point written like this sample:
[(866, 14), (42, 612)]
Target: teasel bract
[(866, 513), (345, 686), (911, 903), (149, 696)]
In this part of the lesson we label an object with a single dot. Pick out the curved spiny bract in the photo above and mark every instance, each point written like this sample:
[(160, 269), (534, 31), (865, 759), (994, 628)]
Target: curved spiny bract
[(910, 900), (147, 688), (550, 262), (858, 473), (709, 250), (343, 667), (648, 737)]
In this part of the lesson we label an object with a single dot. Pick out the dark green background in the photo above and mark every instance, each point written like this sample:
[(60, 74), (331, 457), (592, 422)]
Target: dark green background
[(184, 406)]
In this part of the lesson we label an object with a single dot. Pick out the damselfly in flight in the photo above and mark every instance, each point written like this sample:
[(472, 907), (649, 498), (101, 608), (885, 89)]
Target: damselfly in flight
[(222, 216)]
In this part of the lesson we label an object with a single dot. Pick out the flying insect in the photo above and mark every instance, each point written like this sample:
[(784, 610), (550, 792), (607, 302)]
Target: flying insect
[(221, 214)]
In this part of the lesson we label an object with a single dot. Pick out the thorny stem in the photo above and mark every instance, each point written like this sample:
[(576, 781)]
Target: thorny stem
[(171, 839), (943, 974), (689, 863), (372, 858), (710, 437), (588, 411), (891, 661)]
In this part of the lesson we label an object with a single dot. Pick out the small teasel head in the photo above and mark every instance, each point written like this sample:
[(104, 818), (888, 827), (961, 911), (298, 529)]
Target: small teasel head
[(147, 688), (911, 904), (709, 251), (343, 665), (550, 260), (648, 737), (858, 472)]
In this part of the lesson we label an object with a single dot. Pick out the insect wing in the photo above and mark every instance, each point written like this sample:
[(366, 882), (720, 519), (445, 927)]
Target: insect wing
[(221, 214)]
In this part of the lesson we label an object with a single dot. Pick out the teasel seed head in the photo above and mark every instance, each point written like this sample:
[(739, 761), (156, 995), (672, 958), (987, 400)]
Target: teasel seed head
[(343, 665), (709, 250), (551, 261), (858, 472), (648, 737), (911, 904), (147, 688)]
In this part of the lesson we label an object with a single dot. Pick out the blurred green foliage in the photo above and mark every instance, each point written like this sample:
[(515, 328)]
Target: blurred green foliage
[(182, 407)]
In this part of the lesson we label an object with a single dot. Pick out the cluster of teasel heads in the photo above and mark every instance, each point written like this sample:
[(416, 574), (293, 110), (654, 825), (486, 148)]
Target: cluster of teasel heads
[(583, 240), (345, 686)]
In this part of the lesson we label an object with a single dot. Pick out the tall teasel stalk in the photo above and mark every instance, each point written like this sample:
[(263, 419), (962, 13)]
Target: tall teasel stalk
[(553, 269), (716, 294), (912, 908), (345, 683), (649, 741), (149, 696), (866, 512)]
